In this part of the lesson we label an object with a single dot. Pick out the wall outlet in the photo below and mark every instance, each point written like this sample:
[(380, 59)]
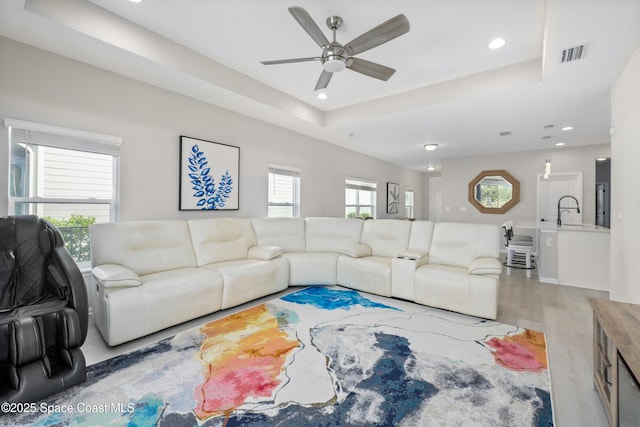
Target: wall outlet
[(447, 209), (463, 208), (549, 241)]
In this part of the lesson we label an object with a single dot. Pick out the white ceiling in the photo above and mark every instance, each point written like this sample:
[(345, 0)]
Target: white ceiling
[(449, 88)]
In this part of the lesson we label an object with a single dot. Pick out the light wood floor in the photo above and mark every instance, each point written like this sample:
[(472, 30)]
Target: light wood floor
[(561, 312)]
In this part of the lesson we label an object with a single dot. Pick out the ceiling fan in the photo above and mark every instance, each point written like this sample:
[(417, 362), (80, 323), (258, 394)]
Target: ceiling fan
[(336, 57)]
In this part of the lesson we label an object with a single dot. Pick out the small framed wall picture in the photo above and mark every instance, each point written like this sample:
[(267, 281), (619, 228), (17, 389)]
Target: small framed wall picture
[(393, 198), (209, 175)]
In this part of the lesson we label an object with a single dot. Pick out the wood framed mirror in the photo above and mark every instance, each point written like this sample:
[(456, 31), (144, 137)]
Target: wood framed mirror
[(494, 191)]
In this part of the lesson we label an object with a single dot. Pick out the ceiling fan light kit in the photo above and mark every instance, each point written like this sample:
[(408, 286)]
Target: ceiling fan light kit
[(336, 57)]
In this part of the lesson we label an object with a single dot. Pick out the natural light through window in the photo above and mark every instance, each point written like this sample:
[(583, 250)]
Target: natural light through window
[(284, 191), (65, 176), (408, 203), (360, 199)]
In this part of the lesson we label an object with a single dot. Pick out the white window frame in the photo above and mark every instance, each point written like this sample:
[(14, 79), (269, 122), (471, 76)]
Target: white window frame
[(409, 205), (275, 169), (361, 185), (38, 134)]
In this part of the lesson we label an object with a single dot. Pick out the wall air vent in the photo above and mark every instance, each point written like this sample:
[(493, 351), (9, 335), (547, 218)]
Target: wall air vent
[(506, 133), (573, 54)]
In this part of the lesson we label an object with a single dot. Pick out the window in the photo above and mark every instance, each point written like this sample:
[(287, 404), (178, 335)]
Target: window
[(360, 199), (408, 203), (66, 176), (284, 192)]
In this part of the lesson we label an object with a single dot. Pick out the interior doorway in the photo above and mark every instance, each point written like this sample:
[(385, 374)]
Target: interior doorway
[(435, 198), (603, 192)]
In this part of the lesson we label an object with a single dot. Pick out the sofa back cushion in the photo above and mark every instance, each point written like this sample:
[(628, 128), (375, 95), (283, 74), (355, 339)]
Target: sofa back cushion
[(421, 235), (286, 233), (387, 237), (143, 246), (331, 234), (457, 244), (221, 239)]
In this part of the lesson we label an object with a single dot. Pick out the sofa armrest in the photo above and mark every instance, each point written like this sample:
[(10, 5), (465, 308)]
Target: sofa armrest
[(356, 250), (264, 252), (485, 266), (115, 276), (413, 254)]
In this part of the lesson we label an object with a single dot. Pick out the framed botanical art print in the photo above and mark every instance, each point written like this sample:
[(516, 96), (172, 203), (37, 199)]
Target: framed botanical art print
[(209, 175), (393, 197)]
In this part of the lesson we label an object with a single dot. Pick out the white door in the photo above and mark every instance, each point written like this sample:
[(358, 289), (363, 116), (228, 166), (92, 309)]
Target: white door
[(552, 189), (435, 199)]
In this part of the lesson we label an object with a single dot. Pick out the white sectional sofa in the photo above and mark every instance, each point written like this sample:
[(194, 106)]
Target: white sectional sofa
[(150, 275)]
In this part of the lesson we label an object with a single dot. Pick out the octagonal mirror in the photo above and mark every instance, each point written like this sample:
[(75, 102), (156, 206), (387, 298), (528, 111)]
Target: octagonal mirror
[(494, 191)]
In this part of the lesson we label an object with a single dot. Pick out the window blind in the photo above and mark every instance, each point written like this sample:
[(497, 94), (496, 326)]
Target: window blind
[(59, 137)]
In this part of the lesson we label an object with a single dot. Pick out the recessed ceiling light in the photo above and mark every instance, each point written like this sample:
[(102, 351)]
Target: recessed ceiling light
[(497, 43), (431, 168), (322, 95), (567, 128), (559, 144), (135, 1), (430, 147)]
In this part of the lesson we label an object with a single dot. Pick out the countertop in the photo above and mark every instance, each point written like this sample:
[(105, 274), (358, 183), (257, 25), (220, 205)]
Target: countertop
[(621, 321), (549, 226)]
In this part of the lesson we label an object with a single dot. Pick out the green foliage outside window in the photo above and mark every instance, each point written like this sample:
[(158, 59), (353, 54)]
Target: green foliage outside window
[(75, 231), (362, 215)]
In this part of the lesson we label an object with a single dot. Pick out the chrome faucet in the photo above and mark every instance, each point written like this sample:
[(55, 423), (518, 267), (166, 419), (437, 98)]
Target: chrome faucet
[(577, 208)]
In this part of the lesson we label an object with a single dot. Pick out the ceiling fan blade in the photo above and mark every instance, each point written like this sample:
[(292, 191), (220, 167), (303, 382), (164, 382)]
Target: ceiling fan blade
[(289, 61), (370, 69), (384, 32), (324, 80), (309, 25)]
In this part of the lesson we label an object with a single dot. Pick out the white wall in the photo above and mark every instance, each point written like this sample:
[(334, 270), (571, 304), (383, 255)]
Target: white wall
[(625, 171), (525, 167), (43, 87)]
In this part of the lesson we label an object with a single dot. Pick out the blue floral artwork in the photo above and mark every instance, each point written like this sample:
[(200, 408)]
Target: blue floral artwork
[(204, 185), (206, 191)]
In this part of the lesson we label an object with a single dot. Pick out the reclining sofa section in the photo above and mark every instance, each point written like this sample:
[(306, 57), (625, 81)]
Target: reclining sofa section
[(150, 275)]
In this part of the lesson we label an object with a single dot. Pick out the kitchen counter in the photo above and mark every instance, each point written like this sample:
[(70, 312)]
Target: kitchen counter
[(573, 255), (551, 226)]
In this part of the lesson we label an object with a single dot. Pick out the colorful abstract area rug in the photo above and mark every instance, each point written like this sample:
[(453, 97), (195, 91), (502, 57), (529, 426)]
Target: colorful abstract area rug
[(320, 357)]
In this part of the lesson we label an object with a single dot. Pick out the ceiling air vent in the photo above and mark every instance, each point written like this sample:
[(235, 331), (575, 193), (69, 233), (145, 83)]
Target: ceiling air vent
[(505, 133), (573, 54)]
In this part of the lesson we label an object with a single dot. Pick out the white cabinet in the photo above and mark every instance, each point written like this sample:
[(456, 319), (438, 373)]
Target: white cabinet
[(583, 259)]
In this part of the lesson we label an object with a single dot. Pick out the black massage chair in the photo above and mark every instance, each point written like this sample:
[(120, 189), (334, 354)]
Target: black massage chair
[(43, 312)]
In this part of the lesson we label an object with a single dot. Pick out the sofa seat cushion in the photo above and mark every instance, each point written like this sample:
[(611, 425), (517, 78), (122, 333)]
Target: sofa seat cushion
[(312, 268), (331, 234), (459, 244), (247, 279), (386, 237), (164, 299), (221, 239), (286, 233), (453, 288), (369, 274), (144, 247)]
